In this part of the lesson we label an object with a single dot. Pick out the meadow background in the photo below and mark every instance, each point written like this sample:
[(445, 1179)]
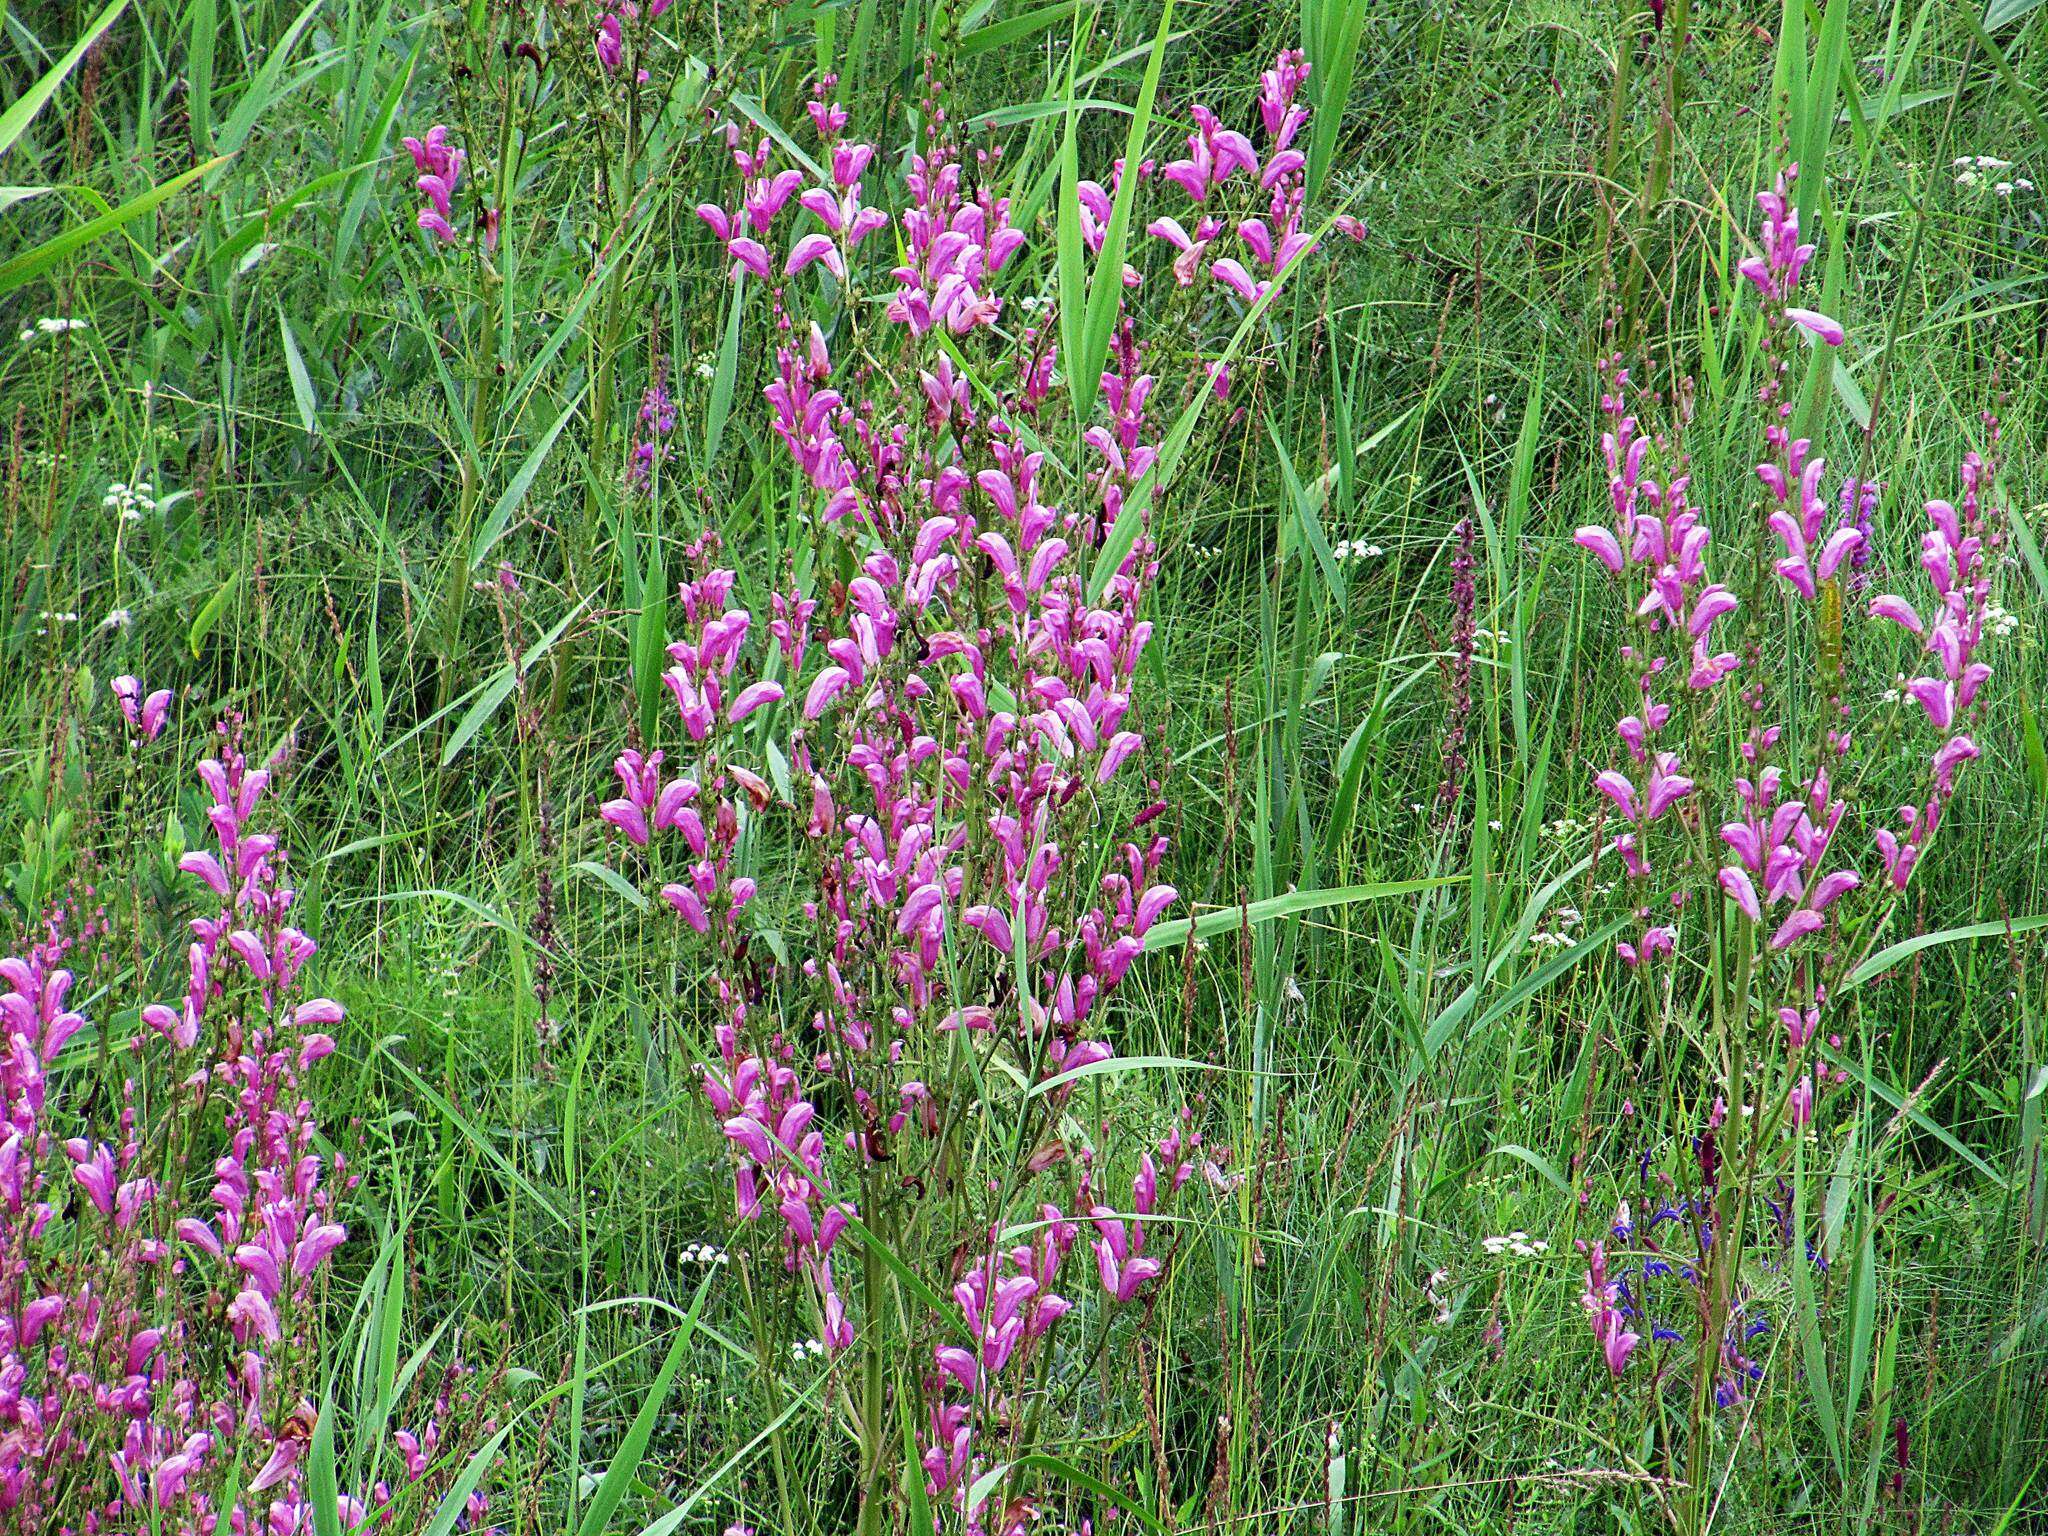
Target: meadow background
[(269, 445)]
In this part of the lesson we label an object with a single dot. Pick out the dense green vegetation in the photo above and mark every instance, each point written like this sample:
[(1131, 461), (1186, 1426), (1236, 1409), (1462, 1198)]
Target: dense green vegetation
[(419, 487)]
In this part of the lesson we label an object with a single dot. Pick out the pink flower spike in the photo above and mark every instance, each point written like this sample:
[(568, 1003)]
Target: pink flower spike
[(689, 905), (628, 818), (1834, 886), (1838, 548), (1231, 273), (207, 868), (1618, 789), (750, 256)]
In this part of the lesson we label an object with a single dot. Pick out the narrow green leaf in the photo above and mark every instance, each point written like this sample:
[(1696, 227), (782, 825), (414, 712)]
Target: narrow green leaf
[(1292, 904), (322, 1484), (209, 615), (34, 262), (626, 1459), (302, 382), (500, 520), (1112, 1065), (15, 120)]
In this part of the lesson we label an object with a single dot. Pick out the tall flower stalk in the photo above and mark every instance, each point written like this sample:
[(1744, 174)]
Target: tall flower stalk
[(934, 781), (1734, 795)]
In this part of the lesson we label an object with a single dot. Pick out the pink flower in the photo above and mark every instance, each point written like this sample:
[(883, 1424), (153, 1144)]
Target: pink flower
[(1820, 325)]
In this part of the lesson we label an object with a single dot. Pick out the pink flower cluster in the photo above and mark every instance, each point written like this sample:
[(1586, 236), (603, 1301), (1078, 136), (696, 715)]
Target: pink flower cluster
[(1602, 1301), (610, 36), (1789, 824), (954, 761), (149, 1342), (1957, 554), (1658, 543), (1274, 240), (145, 713), (439, 165), (761, 201), (1775, 270)]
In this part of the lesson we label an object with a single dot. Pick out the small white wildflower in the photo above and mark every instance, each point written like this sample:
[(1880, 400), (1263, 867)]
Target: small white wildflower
[(117, 619), (130, 502)]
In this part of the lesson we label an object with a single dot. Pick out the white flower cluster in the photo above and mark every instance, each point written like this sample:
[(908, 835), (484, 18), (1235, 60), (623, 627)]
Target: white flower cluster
[(130, 502), (1357, 549), (1560, 936), (1982, 171), (704, 1253), (50, 325), (806, 1349), (1517, 1244), (1564, 829), (1999, 622)]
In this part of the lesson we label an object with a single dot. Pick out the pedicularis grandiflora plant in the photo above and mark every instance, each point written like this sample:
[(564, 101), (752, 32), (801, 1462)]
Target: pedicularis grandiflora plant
[(1756, 870), (167, 1217), (936, 761)]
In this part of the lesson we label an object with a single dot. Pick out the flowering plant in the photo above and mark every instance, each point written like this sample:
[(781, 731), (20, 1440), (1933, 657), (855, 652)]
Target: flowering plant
[(1735, 807), (160, 1335), (940, 778)]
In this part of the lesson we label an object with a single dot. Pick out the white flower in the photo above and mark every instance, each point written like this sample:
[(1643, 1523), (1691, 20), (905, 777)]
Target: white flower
[(130, 502), (117, 618)]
